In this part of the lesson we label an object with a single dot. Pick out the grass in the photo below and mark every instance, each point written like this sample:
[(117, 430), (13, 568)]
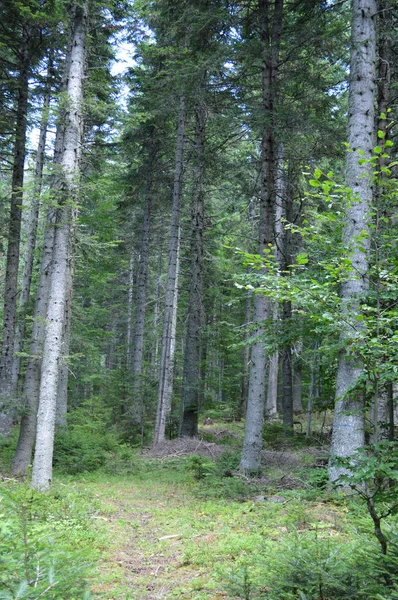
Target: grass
[(191, 529), (167, 540)]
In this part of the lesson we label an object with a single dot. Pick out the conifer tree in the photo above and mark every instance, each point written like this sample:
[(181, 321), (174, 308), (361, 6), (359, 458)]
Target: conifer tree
[(67, 190), (348, 426)]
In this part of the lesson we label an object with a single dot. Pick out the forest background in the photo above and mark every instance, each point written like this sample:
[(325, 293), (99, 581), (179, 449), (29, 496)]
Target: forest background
[(198, 239)]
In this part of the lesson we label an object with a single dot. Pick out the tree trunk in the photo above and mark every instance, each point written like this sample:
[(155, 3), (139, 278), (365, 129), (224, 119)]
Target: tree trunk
[(191, 368), (32, 229), (170, 311), (271, 411), (63, 375), (27, 431), (7, 401), (287, 374), (251, 454), (155, 333), (246, 357), (129, 311), (297, 378), (348, 427), (141, 300), (67, 190)]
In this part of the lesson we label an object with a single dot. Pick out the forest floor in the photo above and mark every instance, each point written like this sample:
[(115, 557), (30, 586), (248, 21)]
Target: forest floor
[(179, 530), (180, 523)]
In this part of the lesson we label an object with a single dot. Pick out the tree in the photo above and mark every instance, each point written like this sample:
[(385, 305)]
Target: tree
[(270, 26), (26, 26), (348, 426), (67, 194), (171, 295)]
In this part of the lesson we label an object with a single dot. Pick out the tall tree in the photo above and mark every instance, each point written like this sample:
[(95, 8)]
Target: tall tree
[(348, 426), (14, 235), (171, 296), (23, 34), (32, 225), (67, 193), (191, 371), (270, 16)]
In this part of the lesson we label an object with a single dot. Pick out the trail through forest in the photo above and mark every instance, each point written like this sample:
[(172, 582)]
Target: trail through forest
[(173, 536)]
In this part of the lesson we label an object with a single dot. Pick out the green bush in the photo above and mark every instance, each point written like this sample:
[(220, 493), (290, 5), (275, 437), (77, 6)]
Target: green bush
[(199, 466), (314, 566), (89, 444), (41, 549)]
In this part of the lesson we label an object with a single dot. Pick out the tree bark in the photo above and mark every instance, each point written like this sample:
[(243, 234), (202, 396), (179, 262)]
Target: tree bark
[(30, 396), (32, 229), (170, 311), (67, 190), (270, 34), (287, 374), (130, 311), (155, 333), (297, 378), (7, 400), (271, 410), (348, 427), (246, 357), (63, 375), (141, 300), (191, 368)]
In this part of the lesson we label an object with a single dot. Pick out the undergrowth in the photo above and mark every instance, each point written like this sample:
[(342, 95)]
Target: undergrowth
[(48, 545), (188, 527)]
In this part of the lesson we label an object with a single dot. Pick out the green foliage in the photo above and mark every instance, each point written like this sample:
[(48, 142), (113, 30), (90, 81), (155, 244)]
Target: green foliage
[(199, 466), (317, 567), (373, 475), (46, 546), (89, 443), (318, 478)]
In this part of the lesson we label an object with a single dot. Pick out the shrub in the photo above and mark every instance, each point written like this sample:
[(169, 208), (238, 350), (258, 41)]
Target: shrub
[(39, 559)]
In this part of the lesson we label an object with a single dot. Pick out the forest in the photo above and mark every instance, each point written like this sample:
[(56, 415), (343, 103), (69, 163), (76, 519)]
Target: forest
[(199, 275)]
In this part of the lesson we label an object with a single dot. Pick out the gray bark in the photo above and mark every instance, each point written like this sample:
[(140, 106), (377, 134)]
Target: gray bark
[(32, 230), (271, 407), (7, 400), (287, 374), (348, 427), (141, 300), (246, 357), (191, 383), (270, 33), (63, 374), (155, 332), (271, 411), (130, 311), (170, 311), (30, 396), (313, 388), (297, 378), (67, 190)]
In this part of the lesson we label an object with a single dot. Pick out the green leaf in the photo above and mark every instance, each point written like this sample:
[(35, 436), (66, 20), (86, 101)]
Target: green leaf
[(377, 149), (360, 152), (314, 183), (381, 134), (302, 259), (317, 173), (388, 144)]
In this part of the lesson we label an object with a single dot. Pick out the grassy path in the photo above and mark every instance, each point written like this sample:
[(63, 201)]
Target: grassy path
[(164, 542)]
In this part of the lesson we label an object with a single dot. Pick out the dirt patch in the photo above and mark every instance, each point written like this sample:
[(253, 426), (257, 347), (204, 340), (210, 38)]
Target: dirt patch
[(183, 447)]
